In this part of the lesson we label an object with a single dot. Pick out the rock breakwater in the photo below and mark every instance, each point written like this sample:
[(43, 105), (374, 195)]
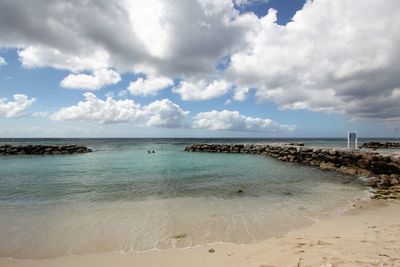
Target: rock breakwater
[(379, 169), (385, 145), (42, 149)]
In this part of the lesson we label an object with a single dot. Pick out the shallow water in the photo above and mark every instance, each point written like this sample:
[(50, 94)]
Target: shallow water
[(121, 198)]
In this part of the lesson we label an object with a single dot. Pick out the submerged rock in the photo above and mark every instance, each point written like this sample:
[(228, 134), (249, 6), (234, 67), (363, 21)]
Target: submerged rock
[(179, 236)]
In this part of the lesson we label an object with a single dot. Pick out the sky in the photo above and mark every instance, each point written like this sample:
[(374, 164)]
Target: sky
[(199, 68)]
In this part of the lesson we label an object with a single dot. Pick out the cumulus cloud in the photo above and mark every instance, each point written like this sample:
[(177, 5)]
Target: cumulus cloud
[(163, 37), (97, 80), (165, 113), (2, 61), (95, 109), (161, 113), (149, 86), (233, 120), (241, 93), (336, 56), (201, 90), (16, 108), (40, 56)]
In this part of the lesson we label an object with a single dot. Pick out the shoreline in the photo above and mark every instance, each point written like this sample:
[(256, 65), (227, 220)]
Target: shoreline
[(337, 211), (368, 235)]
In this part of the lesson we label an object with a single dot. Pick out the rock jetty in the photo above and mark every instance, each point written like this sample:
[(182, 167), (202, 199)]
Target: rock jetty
[(380, 170), (42, 149), (378, 145)]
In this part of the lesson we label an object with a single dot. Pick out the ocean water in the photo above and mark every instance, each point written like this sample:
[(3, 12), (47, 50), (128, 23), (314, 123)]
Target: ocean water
[(120, 198)]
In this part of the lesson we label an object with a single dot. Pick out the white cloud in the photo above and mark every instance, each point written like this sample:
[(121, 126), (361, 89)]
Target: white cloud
[(233, 120), (97, 80), (161, 113), (149, 86), (95, 109), (336, 56), (241, 93), (16, 108), (201, 90), (163, 37), (249, 2), (147, 19), (2, 61), (164, 113), (40, 56)]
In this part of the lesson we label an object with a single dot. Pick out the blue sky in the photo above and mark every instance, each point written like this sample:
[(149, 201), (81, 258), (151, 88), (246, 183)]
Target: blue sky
[(282, 76), (286, 8)]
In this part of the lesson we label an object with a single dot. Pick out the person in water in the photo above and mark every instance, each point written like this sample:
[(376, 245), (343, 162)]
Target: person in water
[(153, 152)]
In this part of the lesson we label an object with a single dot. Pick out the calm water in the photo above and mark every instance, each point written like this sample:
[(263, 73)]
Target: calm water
[(120, 198)]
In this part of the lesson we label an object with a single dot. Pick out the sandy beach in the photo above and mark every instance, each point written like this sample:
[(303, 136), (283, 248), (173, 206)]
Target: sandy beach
[(368, 235)]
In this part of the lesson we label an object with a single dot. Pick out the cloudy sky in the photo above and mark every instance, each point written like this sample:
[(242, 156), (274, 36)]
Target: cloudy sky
[(199, 68)]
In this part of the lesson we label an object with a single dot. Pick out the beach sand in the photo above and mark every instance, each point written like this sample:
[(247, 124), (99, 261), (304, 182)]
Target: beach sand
[(368, 235)]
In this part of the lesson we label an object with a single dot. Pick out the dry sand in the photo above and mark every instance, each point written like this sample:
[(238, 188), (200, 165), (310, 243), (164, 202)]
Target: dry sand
[(366, 236)]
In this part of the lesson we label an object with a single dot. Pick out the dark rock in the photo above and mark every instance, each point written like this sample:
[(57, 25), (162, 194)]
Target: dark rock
[(382, 167), (377, 145), (42, 149)]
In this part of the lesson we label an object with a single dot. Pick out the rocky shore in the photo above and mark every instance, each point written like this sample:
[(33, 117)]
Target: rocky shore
[(42, 149), (378, 145), (380, 170)]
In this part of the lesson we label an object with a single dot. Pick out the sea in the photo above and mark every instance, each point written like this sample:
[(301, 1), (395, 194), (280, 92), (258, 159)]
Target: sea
[(121, 198)]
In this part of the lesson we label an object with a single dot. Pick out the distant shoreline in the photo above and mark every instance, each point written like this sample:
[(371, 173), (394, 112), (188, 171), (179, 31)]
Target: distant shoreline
[(198, 138)]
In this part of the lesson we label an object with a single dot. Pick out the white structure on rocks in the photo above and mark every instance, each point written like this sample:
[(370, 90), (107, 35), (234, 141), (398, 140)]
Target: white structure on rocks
[(352, 137)]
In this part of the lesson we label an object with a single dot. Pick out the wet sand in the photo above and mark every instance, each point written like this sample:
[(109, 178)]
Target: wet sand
[(368, 235)]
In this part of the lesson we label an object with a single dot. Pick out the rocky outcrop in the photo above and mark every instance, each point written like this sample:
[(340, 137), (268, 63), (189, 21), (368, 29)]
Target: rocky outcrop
[(42, 149), (387, 193), (378, 145), (378, 169)]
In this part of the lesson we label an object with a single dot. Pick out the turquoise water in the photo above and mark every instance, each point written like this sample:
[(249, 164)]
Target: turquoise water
[(120, 198)]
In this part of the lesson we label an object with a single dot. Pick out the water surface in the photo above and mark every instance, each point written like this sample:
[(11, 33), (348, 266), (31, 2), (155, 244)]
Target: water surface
[(120, 198)]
